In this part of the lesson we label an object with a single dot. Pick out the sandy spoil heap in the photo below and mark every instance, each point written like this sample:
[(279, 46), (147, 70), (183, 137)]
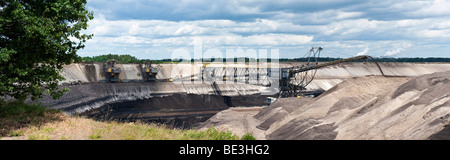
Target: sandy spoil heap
[(372, 107), (369, 107)]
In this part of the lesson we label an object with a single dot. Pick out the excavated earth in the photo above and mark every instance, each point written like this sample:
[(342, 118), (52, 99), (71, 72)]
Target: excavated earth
[(177, 105), (367, 107), (412, 102)]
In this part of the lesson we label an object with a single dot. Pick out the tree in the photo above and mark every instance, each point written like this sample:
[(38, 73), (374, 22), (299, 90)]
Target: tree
[(37, 37)]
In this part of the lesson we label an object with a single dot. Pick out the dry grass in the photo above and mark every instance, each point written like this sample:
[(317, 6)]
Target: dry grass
[(51, 125)]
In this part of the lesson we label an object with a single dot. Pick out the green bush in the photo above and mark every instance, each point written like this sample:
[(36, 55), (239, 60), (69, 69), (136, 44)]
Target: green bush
[(19, 108), (248, 136), (17, 114)]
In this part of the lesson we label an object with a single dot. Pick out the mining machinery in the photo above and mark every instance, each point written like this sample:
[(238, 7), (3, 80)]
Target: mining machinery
[(148, 72), (293, 80), (111, 72)]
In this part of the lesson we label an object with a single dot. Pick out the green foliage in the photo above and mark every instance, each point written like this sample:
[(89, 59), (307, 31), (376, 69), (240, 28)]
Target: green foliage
[(17, 114), (248, 136), (131, 59), (211, 134), (306, 59), (19, 108), (413, 59), (36, 39), (16, 133), (118, 58), (96, 136), (378, 59)]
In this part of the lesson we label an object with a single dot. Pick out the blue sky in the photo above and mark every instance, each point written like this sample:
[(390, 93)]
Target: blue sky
[(154, 29)]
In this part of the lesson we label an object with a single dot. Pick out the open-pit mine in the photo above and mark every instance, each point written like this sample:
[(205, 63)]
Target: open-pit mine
[(346, 100)]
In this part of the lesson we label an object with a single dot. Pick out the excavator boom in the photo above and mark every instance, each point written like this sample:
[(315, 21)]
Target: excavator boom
[(363, 57)]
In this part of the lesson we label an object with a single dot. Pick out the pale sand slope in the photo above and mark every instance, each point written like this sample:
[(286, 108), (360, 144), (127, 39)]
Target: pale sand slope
[(238, 120), (369, 107)]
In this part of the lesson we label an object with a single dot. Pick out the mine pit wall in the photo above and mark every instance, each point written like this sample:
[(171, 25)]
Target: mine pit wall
[(325, 77), (90, 72), (88, 96), (178, 105), (174, 110)]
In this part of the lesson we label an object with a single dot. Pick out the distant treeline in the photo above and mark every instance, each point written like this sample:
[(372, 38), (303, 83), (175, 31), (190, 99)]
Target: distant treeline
[(416, 59), (378, 59), (131, 59), (118, 58)]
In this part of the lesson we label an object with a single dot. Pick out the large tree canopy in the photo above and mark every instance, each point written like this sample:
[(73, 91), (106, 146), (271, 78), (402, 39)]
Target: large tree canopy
[(37, 37)]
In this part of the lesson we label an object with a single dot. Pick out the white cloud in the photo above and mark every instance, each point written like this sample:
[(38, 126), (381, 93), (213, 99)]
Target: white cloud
[(409, 29), (273, 40), (433, 8), (213, 32), (435, 33), (354, 27), (347, 26), (162, 37), (394, 52), (364, 52), (264, 33), (161, 28), (398, 50)]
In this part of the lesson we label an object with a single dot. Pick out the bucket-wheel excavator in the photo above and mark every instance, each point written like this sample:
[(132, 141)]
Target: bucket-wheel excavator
[(293, 80), (148, 72), (110, 72)]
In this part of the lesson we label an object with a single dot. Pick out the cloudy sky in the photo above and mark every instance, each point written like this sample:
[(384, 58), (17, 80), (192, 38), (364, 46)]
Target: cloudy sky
[(154, 29)]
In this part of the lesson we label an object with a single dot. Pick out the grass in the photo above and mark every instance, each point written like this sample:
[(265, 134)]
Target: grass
[(34, 122), (16, 115), (95, 136)]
